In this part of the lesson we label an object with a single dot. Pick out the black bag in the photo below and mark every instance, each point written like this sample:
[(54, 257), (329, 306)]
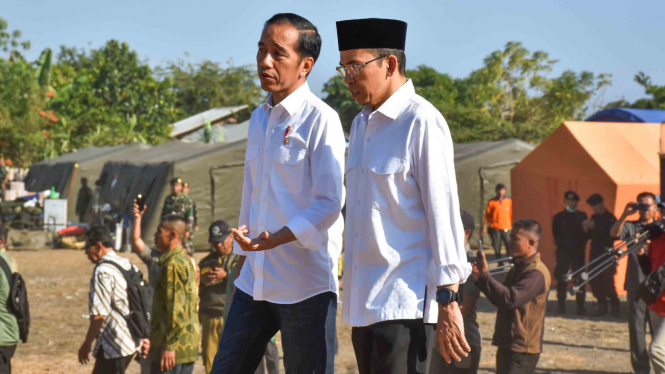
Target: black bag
[(653, 286), (18, 300), (139, 296)]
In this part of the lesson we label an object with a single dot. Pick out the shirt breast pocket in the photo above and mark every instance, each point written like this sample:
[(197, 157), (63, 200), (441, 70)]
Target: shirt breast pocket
[(383, 168), (289, 169)]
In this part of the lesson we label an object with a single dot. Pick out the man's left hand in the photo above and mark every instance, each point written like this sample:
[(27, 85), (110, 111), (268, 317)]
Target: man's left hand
[(261, 243), (84, 352), (144, 347), (450, 332), (168, 360)]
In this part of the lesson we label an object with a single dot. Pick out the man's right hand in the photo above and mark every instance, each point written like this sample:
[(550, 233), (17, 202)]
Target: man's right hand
[(630, 209), (138, 213)]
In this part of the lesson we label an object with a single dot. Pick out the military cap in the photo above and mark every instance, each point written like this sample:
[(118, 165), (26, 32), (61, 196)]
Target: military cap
[(595, 199), (176, 181), (571, 195), (218, 231)]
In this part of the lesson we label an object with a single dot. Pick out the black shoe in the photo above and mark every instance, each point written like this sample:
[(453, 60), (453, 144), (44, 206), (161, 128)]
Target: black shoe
[(602, 310)]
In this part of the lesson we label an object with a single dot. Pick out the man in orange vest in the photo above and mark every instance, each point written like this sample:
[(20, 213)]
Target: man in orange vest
[(499, 218)]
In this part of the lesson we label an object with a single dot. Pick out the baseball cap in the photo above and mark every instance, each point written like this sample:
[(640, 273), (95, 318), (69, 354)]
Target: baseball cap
[(218, 231), (595, 199), (571, 195), (467, 220)]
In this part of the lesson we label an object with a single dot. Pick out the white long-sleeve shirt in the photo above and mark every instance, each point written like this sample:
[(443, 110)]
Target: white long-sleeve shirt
[(404, 234), (298, 185)]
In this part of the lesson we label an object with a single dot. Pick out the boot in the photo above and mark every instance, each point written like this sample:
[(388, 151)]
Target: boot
[(581, 310), (616, 310)]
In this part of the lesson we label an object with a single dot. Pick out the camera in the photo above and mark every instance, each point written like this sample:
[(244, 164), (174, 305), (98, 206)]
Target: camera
[(140, 201), (641, 206)]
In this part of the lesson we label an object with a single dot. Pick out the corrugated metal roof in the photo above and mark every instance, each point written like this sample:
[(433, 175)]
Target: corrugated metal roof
[(194, 122)]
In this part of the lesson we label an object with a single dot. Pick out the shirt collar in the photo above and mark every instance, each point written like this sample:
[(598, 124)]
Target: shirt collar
[(293, 102), (170, 253), (392, 107)]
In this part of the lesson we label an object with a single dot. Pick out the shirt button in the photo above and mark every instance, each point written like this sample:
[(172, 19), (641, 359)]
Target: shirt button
[(363, 171), (369, 140)]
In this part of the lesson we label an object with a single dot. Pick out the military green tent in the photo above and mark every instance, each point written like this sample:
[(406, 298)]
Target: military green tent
[(214, 172), (64, 172), (480, 167)]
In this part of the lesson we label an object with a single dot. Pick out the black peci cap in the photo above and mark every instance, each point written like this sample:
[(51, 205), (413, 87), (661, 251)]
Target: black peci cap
[(467, 220), (571, 195), (218, 231), (371, 33), (595, 199)]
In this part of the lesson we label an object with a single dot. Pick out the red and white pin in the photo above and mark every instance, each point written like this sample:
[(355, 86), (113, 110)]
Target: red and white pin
[(286, 134)]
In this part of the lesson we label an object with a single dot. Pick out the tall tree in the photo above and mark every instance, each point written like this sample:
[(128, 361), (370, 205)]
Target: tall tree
[(657, 100), (207, 85)]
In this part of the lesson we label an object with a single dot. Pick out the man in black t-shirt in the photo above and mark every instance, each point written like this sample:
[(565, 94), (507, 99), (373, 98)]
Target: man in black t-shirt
[(638, 318), (570, 239), (598, 228)]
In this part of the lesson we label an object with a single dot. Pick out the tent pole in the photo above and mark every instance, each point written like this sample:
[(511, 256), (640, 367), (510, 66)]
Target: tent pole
[(71, 184)]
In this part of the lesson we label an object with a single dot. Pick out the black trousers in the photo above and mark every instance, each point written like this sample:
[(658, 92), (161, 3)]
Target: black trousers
[(439, 366), (637, 328), (6, 354), (394, 347), (568, 260), (498, 237), (603, 286), (110, 365), (509, 362)]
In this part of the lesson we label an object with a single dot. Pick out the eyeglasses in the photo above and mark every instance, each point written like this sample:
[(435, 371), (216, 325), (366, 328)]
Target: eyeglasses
[(352, 70)]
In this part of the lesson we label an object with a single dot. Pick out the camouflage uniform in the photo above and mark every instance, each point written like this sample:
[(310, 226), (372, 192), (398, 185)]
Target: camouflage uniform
[(181, 205), (175, 322)]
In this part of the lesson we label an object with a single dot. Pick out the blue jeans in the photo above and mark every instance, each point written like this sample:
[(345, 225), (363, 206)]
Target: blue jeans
[(308, 335)]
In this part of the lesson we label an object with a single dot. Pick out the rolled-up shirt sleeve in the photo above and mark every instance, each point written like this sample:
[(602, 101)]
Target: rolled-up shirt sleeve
[(326, 153), (435, 172)]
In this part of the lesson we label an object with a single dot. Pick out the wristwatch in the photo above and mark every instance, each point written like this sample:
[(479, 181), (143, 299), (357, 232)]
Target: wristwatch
[(445, 296)]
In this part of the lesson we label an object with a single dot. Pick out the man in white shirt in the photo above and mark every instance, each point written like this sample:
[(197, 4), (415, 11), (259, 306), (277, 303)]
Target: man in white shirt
[(404, 237), (291, 206), (108, 306)]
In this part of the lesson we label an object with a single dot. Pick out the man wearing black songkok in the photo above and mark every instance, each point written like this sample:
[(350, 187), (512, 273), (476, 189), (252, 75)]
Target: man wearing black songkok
[(405, 252)]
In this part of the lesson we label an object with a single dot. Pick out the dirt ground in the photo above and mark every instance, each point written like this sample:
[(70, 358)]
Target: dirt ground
[(58, 285)]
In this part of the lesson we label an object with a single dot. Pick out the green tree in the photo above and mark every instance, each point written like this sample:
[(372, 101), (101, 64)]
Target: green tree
[(207, 85), (339, 98), (657, 100), (111, 97)]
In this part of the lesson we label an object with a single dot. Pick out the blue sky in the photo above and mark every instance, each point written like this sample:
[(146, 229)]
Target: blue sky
[(616, 37)]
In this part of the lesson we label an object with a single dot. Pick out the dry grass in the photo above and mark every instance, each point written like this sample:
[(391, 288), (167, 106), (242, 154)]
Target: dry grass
[(58, 284)]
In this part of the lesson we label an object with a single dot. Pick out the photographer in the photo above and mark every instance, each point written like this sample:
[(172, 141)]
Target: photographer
[(623, 229)]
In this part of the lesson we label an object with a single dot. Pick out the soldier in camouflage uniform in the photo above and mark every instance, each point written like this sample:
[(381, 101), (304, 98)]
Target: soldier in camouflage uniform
[(177, 203), (175, 331), (195, 222)]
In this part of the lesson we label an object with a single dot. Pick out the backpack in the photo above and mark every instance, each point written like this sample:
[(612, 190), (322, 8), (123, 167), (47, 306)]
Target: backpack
[(18, 300), (139, 296)]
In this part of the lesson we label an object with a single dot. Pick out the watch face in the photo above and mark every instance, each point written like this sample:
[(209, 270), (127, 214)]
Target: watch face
[(445, 296)]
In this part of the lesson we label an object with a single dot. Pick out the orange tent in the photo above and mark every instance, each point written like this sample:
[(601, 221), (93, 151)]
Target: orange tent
[(617, 160)]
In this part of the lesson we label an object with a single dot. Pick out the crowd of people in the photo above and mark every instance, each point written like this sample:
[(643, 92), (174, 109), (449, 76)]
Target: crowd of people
[(410, 291)]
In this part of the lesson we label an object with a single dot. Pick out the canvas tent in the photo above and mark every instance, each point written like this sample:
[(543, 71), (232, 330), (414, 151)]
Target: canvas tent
[(617, 160), (628, 115), (480, 167), (194, 163), (65, 172)]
